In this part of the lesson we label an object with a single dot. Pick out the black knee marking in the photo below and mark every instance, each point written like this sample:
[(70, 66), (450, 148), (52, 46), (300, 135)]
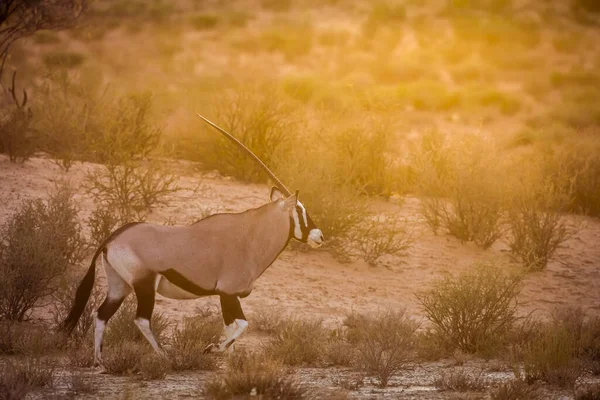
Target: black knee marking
[(228, 345), (145, 293), (108, 308), (231, 309)]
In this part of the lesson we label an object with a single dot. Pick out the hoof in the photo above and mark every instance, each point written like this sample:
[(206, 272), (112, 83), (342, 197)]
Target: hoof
[(209, 348)]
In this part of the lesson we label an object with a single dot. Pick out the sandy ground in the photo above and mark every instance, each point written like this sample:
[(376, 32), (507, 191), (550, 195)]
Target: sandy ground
[(312, 283)]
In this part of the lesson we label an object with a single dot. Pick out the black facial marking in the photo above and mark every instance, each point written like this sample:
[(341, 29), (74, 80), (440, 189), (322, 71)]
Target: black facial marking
[(231, 309), (108, 308), (184, 283), (144, 291)]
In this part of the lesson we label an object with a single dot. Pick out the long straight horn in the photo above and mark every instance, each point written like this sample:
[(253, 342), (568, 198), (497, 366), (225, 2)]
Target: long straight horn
[(229, 136)]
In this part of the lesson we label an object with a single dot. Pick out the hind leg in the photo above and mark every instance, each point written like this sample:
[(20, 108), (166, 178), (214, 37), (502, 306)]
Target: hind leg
[(145, 291), (117, 291), (235, 323)]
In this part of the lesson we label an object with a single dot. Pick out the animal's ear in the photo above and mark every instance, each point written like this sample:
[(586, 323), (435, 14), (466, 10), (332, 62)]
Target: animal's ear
[(290, 202), (276, 194)]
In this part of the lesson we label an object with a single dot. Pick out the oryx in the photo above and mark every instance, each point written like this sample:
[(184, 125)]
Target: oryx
[(222, 255)]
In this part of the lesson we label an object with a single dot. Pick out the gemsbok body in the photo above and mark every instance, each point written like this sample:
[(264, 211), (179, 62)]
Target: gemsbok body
[(221, 255)]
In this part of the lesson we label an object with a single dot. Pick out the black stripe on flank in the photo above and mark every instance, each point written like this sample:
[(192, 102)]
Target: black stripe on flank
[(184, 283)]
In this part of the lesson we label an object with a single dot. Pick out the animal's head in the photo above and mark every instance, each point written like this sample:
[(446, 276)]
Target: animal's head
[(303, 228)]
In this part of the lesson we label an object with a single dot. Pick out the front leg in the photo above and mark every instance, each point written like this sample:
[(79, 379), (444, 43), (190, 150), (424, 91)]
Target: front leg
[(234, 320)]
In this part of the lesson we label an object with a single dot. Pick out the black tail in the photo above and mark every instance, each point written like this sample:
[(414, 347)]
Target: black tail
[(81, 296), (87, 284)]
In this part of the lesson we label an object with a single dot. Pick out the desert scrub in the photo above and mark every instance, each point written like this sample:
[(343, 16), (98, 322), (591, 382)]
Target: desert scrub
[(475, 310), (379, 236), (121, 327), (25, 338), (64, 59), (17, 138), (516, 389), (459, 187), (189, 341), (37, 246), (268, 319), (459, 380), (537, 228), (299, 342), (384, 342), (265, 123), (131, 189), (124, 358), (254, 374), (17, 378)]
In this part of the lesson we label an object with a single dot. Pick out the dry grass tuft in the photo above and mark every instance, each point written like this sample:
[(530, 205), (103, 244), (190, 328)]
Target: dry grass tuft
[(459, 380)]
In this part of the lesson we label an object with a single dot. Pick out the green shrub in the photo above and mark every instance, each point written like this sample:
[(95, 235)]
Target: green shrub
[(255, 375), (299, 343), (384, 342), (37, 245), (474, 311)]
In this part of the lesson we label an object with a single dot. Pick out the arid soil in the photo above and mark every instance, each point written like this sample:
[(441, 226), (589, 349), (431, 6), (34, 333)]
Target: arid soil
[(313, 284)]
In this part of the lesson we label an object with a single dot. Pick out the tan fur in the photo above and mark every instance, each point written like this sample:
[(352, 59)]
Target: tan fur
[(224, 252)]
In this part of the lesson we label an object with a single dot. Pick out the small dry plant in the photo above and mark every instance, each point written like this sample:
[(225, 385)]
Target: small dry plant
[(537, 228), (130, 189), (459, 380), (122, 328), (254, 374), (189, 341), (378, 236), (62, 301), (385, 342), (37, 245), (299, 342), (268, 320), (17, 138), (460, 188), (17, 378), (516, 389), (474, 310), (124, 358)]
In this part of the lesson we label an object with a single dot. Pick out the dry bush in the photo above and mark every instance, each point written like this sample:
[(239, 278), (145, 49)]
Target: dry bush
[(591, 392), (268, 320), (37, 245), (130, 189), (360, 159), (189, 341), (516, 389), (459, 184), (536, 227), (124, 357), (385, 342), (474, 311), (121, 327), (81, 354), (62, 302), (28, 339), (551, 357), (378, 236), (102, 222), (339, 352), (299, 342), (259, 119), (18, 139), (256, 375), (79, 383), (17, 378), (459, 380), (153, 366)]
